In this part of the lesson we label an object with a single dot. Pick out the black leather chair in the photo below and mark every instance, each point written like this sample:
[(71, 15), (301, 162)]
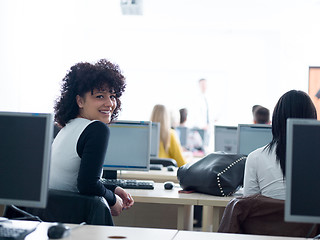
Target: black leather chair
[(70, 207), (164, 161)]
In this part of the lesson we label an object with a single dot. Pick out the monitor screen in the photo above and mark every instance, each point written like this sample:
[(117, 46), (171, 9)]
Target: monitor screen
[(202, 132), (25, 151), (225, 139), (253, 136), (182, 133), (155, 139), (129, 146), (302, 171)]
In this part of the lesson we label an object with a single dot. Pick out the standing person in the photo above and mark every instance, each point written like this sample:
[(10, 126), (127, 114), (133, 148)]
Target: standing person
[(265, 167), (169, 144), (199, 114), (89, 100)]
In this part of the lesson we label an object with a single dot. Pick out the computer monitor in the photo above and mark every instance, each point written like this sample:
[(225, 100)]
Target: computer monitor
[(302, 171), (129, 146), (182, 133), (225, 139), (201, 132), (155, 139), (253, 136), (25, 153)]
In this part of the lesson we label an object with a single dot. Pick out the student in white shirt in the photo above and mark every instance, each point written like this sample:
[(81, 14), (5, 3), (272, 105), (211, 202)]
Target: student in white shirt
[(265, 167)]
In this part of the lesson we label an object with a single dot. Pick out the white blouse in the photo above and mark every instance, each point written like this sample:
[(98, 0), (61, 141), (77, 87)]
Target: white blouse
[(263, 175)]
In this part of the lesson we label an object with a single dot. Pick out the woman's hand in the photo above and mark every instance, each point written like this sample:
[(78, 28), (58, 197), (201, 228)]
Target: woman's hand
[(116, 209), (126, 197)]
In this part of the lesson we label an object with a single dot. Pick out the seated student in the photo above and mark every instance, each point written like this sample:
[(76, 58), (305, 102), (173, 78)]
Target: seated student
[(265, 167), (169, 144), (194, 141), (89, 100), (254, 107), (261, 115)]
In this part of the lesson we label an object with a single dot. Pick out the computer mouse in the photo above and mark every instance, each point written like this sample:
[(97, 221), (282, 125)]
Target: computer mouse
[(170, 168), (168, 185), (58, 231)]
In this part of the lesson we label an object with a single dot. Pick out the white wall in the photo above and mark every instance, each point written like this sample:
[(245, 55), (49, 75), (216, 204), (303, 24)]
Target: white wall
[(250, 51)]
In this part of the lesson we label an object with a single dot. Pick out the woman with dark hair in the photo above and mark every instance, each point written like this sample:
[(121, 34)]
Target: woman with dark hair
[(265, 167), (183, 116), (89, 100)]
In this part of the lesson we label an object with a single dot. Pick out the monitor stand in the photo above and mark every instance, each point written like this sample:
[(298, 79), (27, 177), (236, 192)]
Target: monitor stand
[(110, 174)]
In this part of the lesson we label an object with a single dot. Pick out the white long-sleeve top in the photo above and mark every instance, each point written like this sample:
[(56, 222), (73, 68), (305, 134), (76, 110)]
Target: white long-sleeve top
[(263, 175)]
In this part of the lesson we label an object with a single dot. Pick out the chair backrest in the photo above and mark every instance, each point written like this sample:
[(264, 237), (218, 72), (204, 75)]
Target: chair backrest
[(164, 161), (1, 210), (260, 215), (71, 207), (56, 130)]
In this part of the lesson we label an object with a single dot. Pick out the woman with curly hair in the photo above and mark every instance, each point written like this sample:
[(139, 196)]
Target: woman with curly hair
[(89, 100)]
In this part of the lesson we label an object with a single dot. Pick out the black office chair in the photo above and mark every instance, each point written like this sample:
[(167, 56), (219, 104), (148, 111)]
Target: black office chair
[(164, 161), (56, 129), (70, 207)]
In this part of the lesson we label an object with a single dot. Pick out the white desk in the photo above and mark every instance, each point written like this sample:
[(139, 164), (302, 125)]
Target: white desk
[(151, 201), (212, 211), (107, 232), (213, 206), (154, 175), (94, 232), (159, 203), (188, 235)]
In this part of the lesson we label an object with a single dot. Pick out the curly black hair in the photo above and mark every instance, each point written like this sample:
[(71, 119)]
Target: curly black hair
[(82, 78)]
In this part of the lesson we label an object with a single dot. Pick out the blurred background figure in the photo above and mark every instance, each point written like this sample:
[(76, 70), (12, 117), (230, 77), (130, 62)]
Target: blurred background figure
[(261, 115), (183, 116), (202, 115), (174, 118), (200, 112), (194, 141), (169, 143)]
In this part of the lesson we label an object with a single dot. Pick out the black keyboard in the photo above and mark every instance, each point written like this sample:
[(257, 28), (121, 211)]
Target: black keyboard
[(10, 233), (130, 183)]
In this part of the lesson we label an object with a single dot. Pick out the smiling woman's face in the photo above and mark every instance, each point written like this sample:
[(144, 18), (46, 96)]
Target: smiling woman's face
[(97, 106)]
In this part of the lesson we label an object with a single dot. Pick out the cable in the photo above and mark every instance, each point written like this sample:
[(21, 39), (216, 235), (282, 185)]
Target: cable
[(26, 214), (312, 228), (310, 232), (81, 224)]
